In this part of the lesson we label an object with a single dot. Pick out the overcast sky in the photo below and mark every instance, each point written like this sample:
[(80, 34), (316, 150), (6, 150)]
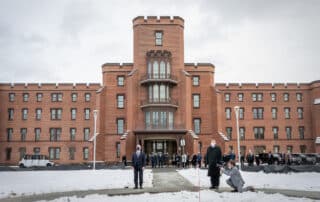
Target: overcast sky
[(247, 41)]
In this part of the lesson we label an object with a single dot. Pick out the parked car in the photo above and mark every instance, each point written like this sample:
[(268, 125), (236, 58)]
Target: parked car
[(35, 161), (317, 157), (296, 159), (310, 158)]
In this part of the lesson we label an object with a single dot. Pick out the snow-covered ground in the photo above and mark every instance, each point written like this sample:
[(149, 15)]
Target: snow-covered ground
[(205, 196), (294, 181), (35, 182)]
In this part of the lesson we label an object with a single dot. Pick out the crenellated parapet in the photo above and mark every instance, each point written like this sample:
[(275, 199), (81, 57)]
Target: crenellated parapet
[(204, 67), (110, 67), (158, 20), (261, 86), (48, 86)]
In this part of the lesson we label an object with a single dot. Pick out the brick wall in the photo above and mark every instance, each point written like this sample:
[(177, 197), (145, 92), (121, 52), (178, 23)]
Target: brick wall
[(46, 123)]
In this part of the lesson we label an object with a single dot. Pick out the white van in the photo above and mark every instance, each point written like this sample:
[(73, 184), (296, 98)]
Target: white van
[(35, 161)]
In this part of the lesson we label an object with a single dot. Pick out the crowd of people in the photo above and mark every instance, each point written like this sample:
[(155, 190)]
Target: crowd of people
[(160, 160)]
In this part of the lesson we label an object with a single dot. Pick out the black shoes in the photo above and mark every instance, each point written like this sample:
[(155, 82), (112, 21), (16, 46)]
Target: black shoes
[(213, 187)]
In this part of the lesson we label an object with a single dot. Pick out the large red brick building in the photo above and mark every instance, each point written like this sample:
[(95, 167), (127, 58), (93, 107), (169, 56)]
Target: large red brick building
[(158, 101)]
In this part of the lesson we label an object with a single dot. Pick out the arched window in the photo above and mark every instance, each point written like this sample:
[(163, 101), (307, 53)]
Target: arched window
[(149, 69), (155, 69), (162, 69), (168, 69)]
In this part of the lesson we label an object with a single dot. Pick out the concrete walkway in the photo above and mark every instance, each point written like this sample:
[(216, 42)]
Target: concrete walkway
[(164, 180)]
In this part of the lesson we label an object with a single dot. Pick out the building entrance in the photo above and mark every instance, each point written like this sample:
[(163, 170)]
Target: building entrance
[(160, 146)]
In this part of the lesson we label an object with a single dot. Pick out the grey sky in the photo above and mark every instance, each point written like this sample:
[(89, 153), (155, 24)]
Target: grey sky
[(248, 41)]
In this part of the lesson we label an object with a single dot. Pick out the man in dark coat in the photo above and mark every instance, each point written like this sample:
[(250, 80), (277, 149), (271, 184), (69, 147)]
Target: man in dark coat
[(214, 159), (138, 164), (232, 155), (194, 160), (270, 158), (250, 158), (199, 159)]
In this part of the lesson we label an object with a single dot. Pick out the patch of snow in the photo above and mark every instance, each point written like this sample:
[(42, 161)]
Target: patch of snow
[(36, 182), (184, 196), (293, 181)]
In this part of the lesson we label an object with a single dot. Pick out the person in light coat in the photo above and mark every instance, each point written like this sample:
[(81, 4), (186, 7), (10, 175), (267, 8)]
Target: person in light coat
[(235, 181), (184, 160)]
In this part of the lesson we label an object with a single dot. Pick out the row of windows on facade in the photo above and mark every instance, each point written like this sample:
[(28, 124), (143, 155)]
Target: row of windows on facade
[(55, 134), (55, 113), (276, 149), (54, 152), (258, 112), (55, 97), (258, 97), (153, 120), (260, 131)]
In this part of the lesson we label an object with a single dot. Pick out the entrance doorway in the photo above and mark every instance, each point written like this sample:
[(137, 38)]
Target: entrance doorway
[(160, 146)]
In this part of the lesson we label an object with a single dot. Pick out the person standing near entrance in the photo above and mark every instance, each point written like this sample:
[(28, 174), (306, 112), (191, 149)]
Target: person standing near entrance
[(199, 159), (138, 164), (184, 160), (213, 157)]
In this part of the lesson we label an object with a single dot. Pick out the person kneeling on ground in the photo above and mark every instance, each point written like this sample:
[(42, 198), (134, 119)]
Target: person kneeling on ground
[(235, 181)]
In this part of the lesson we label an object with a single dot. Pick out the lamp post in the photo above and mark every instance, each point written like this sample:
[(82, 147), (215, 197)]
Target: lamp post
[(236, 109), (95, 115)]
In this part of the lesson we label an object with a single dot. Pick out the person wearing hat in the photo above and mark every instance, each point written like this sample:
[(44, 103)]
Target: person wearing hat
[(138, 164)]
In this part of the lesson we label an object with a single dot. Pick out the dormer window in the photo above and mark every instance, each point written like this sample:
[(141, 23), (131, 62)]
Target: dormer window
[(159, 35)]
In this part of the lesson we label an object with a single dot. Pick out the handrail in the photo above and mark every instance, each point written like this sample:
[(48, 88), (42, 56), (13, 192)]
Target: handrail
[(159, 101), (157, 76)]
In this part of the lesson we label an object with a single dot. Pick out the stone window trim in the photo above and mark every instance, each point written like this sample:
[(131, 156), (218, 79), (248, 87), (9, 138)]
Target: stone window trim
[(39, 97), (120, 83), (123, 126), (158, 36), (119, 106), (195, 80), (196, 106), (87, 97), (197, 131), (12, 97)]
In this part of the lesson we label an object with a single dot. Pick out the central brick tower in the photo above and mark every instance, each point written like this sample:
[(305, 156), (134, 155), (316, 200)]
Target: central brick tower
[(161, 105)]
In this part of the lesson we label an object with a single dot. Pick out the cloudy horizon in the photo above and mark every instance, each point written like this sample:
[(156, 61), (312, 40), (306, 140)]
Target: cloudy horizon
[(247, 41)]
